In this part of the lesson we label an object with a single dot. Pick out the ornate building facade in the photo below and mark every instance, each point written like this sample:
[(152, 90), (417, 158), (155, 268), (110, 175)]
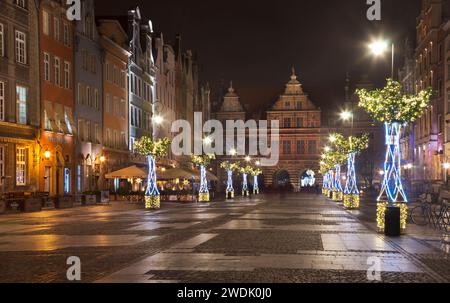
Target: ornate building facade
[(300, 137)]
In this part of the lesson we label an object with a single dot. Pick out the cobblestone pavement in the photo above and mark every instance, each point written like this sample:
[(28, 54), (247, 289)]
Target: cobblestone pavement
[(269, 238)]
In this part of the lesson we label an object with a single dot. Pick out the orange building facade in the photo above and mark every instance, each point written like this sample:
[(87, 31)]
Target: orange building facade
[(56, 137), (113, 40)]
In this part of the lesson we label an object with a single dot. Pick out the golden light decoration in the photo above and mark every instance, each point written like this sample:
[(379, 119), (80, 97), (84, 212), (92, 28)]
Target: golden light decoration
[(47, 154)]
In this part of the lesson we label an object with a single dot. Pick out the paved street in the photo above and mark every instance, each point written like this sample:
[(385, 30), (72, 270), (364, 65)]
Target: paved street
[(270, 238)]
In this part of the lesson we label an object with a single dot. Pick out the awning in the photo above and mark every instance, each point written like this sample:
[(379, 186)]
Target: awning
[(184, 173), (127, 173)]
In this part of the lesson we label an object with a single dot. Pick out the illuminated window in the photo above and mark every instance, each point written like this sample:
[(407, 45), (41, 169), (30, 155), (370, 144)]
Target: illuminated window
[(66, 180), (66, 35), (21, 95), (21, 165), (56, 28)]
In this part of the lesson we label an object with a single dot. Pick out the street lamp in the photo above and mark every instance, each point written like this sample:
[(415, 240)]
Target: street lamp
[(47, 154), (102, 159), (379, 47), (446, 167)]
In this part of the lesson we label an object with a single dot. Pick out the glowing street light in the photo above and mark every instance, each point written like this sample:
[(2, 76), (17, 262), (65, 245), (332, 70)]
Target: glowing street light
[(102, 159), (346, 115), (47, 154), (378, 47)]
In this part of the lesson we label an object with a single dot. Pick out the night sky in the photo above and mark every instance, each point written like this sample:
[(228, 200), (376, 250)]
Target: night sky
[(255, 42)]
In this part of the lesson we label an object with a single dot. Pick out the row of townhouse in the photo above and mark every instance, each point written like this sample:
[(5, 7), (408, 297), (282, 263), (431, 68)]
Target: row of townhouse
[(426, 143), (75, 95)]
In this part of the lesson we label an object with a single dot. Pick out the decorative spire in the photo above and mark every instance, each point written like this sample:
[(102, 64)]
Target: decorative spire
[(231, 89), (293, 76)]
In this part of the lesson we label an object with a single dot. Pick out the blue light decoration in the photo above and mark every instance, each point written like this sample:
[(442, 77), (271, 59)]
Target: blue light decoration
[(203, 191), (255, 185), (392, 192), (351, 192), (325, 184), (330, 183), (230, 189), (392, 187), (152, 195), (245, 191), (337, 186)]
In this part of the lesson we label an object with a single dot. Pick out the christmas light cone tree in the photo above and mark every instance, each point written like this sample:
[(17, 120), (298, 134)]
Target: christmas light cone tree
[(349, 147), (151, 149), (203, 162), (390, 106), (255, 173), (337, 185), (230, 168), (245, 171)]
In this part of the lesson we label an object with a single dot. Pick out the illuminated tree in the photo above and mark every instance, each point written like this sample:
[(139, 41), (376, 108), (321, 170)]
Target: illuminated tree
[(255, 173), (230, 168), (395, 109), (203, 162), (245, 171), (152, 149)]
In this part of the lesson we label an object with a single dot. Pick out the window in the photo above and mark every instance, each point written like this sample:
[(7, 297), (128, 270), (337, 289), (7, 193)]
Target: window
[(132, 116), (21, 165), (96, 100), (299, 122), (57, 67), (108, 137), (46, 67), (124, 140), (122, 79), (123, 108), (93, 64), (66, 75), (299, 105), (2, 40), (108, 104), (21, 95), (88, 96), (88, 133), (96, 134), (79, 94), (80, 130), (66, 180), (46, 23), (2, 101), (79, 178), (84, 59), (2, 163), (116, 106), (47, 123), (287, 122), (116, 139), (287, 105), (116, 76), (56, 28), (68, 119), (312, 147), (108, 72), (66, 34), (286, 147), (21, 47), (21, 3), (300, 147)]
